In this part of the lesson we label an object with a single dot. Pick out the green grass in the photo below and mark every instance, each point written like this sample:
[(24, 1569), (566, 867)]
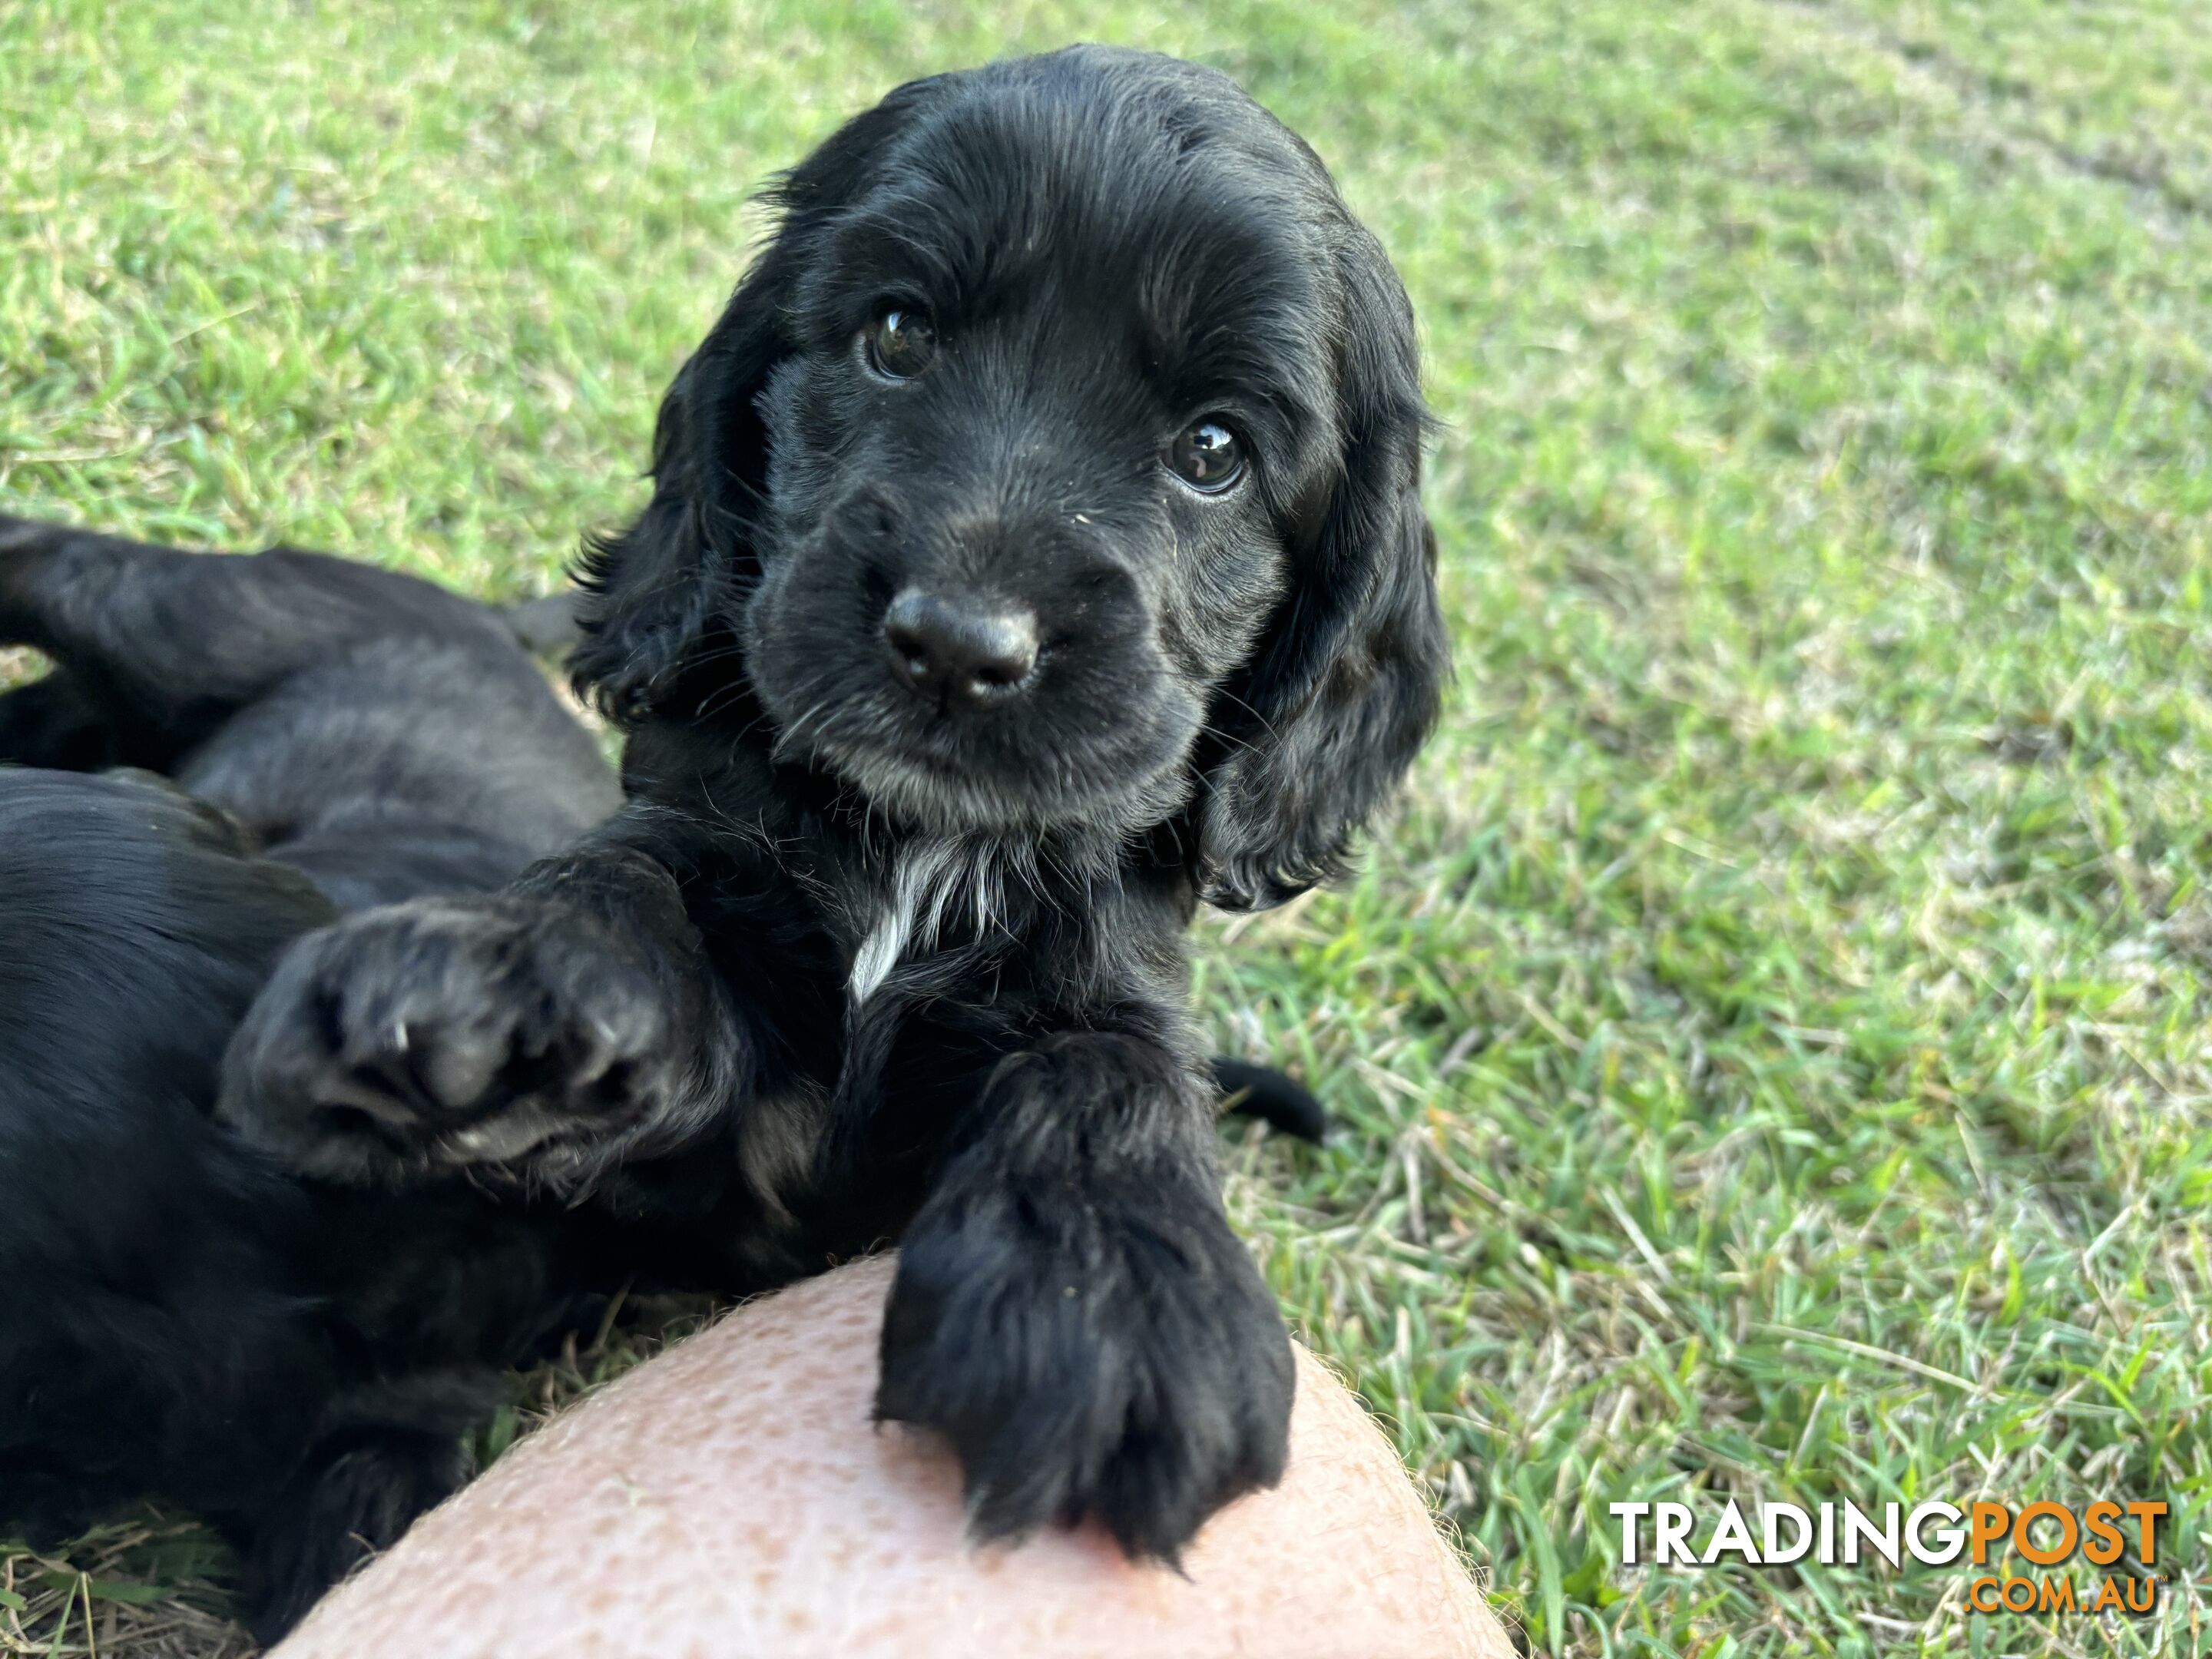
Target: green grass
[(1775, 1037)]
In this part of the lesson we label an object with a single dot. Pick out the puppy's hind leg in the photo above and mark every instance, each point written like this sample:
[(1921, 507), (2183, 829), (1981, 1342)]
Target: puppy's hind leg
[(156, 646), (387, 1453)]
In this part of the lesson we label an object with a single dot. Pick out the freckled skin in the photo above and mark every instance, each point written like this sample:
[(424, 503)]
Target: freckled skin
[(730, 1498)]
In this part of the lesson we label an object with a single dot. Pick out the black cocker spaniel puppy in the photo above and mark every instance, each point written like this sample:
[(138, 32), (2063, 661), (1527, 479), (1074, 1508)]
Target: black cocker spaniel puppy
[(1035, 551)]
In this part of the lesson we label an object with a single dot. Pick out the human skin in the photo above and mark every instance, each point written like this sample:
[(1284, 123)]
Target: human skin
[(732, 1498)]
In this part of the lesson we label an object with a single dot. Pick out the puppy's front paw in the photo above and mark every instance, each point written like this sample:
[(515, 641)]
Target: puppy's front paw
[(1120, 1361), (448, 1032)]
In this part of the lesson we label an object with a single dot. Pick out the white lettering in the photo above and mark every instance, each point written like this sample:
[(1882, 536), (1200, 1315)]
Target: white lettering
[(1628, 1514), (1730, 1534), (1671, 1536), (1774, 1555), (1950, 1539), (1857, 1527)]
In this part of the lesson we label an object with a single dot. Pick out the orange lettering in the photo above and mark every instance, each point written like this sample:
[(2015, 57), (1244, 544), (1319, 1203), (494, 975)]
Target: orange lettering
[(2068, 1537), (2147, 1516), (2106, 1542), (1990, 1522)]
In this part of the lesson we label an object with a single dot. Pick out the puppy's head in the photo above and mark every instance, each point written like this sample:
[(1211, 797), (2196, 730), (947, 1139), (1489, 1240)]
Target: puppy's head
[(1056, 466)]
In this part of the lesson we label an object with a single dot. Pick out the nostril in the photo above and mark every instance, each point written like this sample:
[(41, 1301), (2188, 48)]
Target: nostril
[(908, 632), (1004, 657)]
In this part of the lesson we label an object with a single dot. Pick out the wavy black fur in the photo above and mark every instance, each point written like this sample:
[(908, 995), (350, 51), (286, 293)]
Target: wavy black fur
[(855, 963), (181, 1315)]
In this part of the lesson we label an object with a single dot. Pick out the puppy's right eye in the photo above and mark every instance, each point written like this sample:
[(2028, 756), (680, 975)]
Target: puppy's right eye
[(1207, 456), (900, 342)]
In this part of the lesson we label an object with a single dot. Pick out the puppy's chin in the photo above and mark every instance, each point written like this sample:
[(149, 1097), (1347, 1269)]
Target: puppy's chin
[(1063, 800)]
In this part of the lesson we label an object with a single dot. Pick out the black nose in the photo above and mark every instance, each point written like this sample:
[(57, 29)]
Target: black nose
[(964, 654)]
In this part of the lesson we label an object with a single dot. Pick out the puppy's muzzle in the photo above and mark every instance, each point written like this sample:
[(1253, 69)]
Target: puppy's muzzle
[(960, 654)]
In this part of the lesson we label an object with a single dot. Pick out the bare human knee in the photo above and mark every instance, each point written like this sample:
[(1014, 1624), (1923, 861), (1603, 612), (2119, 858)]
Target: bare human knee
[(732, 1497)]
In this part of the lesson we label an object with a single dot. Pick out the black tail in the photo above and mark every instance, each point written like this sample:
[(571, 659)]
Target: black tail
[(1278, 1100)]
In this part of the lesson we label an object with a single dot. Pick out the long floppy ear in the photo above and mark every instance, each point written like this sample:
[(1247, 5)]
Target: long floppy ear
[(655, 594), (1347, 684)]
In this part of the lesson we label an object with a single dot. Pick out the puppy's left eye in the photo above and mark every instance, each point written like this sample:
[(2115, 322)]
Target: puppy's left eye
[(1205, 455), (900, 342)]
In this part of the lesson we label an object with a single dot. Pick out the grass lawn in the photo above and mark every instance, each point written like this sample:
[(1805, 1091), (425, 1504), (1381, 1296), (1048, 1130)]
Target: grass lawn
[(1775, 1037)]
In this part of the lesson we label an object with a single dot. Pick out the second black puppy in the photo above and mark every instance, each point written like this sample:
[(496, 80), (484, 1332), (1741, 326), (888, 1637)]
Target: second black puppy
[(181, 1318), (1035, 551)]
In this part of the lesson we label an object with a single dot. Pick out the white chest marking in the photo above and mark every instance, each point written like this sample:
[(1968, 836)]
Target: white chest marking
[(925, 876)]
